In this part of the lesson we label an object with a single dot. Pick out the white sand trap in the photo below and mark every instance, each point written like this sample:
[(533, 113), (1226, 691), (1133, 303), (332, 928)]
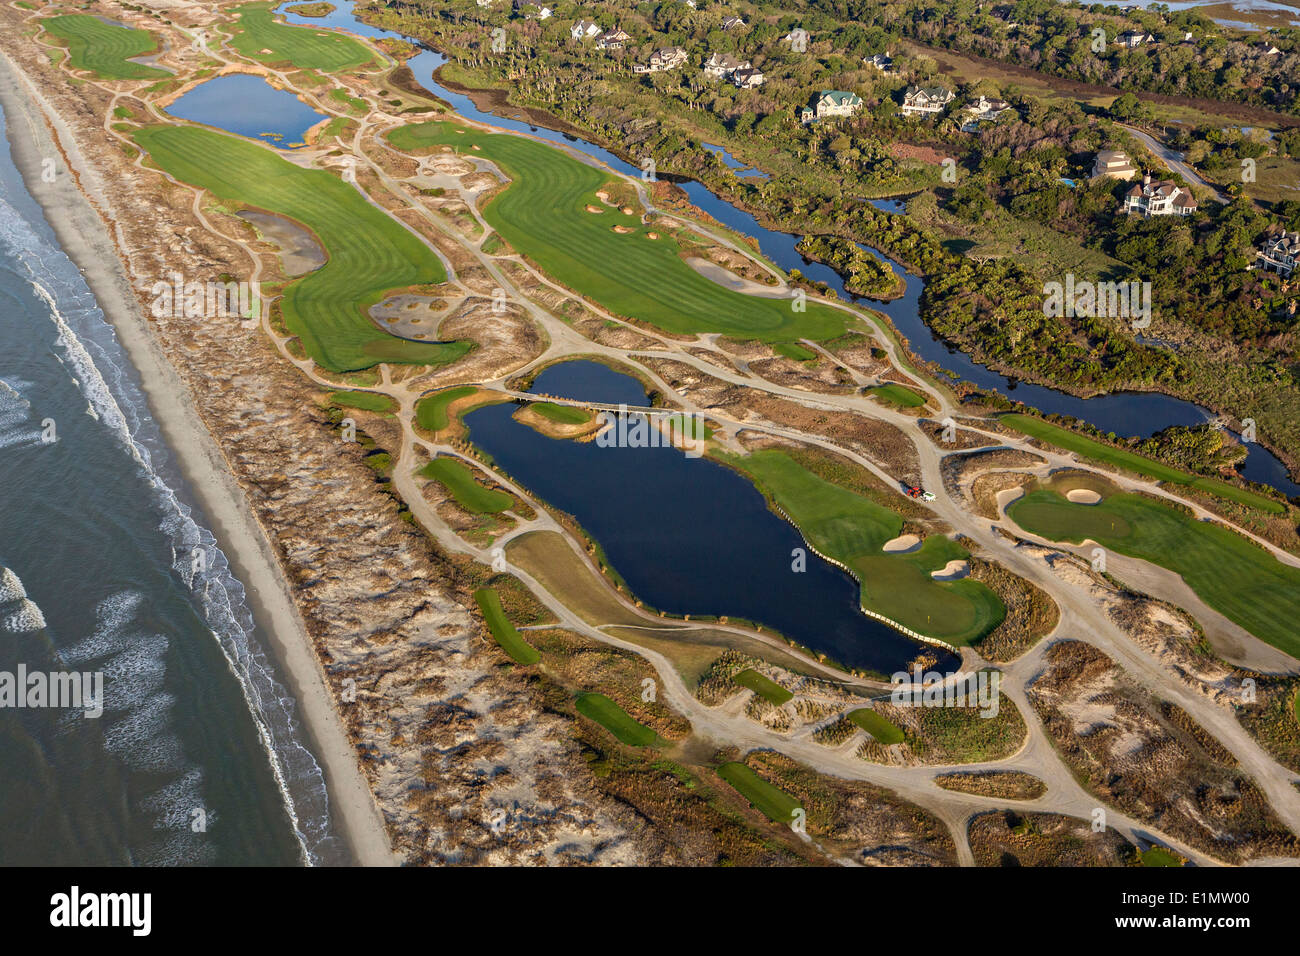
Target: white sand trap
[(1008, 495), (952, 571), (597, 209), (1083, 496), (902, 544)]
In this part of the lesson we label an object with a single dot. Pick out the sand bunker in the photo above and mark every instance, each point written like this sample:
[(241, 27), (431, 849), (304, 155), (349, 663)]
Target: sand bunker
[(952, 571), (1083, 496), (591, 208), (1008, 495), (621, 230), (652, 235), (628, 210), (902, 544)]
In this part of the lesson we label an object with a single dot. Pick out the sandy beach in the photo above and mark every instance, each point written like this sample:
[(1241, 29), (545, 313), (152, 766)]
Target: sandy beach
[(86, 240)]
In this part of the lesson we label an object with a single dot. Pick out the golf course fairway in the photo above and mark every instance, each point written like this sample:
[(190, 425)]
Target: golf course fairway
[(543, 214), (368, 253), (104, 48), (1235, 577)]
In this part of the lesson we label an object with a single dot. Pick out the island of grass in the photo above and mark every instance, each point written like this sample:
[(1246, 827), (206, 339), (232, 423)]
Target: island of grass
[(489, 602), (876, 725), (259, 36), (366, 401), (1137, 464), (315, 9), (852, 530), (543, 214), (105, 49), (769, 690), (369, 254), (773, 802), (1234, 576), (897, 395), (616, 720), (562, 414), (457, 477)]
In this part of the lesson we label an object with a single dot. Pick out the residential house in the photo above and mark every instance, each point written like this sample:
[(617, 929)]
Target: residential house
[(1267, 49), (613, 40), (584, 30), (1113, 163), (748, 78), (1161, 197), (732, 23), (1280, 251), (983, 110), (926, 100), (1134, 38), (723, 64), (831, 103), (882, 62), (667, 58)]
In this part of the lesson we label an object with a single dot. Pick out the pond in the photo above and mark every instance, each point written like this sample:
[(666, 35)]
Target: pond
[(248, 105)]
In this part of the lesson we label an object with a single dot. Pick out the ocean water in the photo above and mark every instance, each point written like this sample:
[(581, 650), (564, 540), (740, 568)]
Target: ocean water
[(106, 567)]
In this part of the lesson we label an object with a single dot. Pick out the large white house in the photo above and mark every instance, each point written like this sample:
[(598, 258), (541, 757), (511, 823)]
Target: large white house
[(1280, 251), (831, 103), (883, 62), (926, 100), (585, 30), (667, 58), (1159, 198), (748, 78), (723, 64)]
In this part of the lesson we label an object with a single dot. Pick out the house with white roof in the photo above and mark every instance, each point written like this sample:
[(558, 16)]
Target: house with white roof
[(585, 30)]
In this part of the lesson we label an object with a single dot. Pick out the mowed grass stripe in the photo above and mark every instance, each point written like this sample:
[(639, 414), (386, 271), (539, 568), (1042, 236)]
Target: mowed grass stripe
[(489, 602), (616, 720), (774, 803), (105, 48), (1231, 574), (542, 214), (304, 47), (368, 253), (1138, 464)]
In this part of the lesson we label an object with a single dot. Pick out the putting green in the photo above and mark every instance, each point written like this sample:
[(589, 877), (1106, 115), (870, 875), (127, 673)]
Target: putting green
[(369, 253), (431, 411), (542, 213), (777, 805), (769, 690), (259, 36), (1229, 573), (105, 48), (898, 395), (852, 529)]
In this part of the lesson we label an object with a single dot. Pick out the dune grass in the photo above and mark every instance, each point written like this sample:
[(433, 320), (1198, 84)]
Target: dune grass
[(769, 690), (1231, 574), (852, 530), (369, 254), (489, 602), (103, 48), (773, 802), (616, 720), (542, 214), (1137, 464), (330, 51), (459, 480)]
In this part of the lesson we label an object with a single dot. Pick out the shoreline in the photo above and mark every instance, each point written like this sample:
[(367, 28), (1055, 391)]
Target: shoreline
[(85, 238)]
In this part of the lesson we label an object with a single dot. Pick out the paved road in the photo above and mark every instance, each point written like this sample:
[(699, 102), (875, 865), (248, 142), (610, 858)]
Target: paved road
[(1174, 160)]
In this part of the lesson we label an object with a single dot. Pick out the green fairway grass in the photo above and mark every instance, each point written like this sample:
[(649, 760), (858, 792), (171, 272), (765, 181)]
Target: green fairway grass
[(304, 47), (1232, 575), (876, 725), (366, 401), (777, 805), (542, 214), (1159, 856), (899, 395), (616, 720), (105, 48), (852, 529), (562, 414), (431, 411), (458, 478), (489, 602), (793, 350), (767, 689), (369, 253), (1138, 464)]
